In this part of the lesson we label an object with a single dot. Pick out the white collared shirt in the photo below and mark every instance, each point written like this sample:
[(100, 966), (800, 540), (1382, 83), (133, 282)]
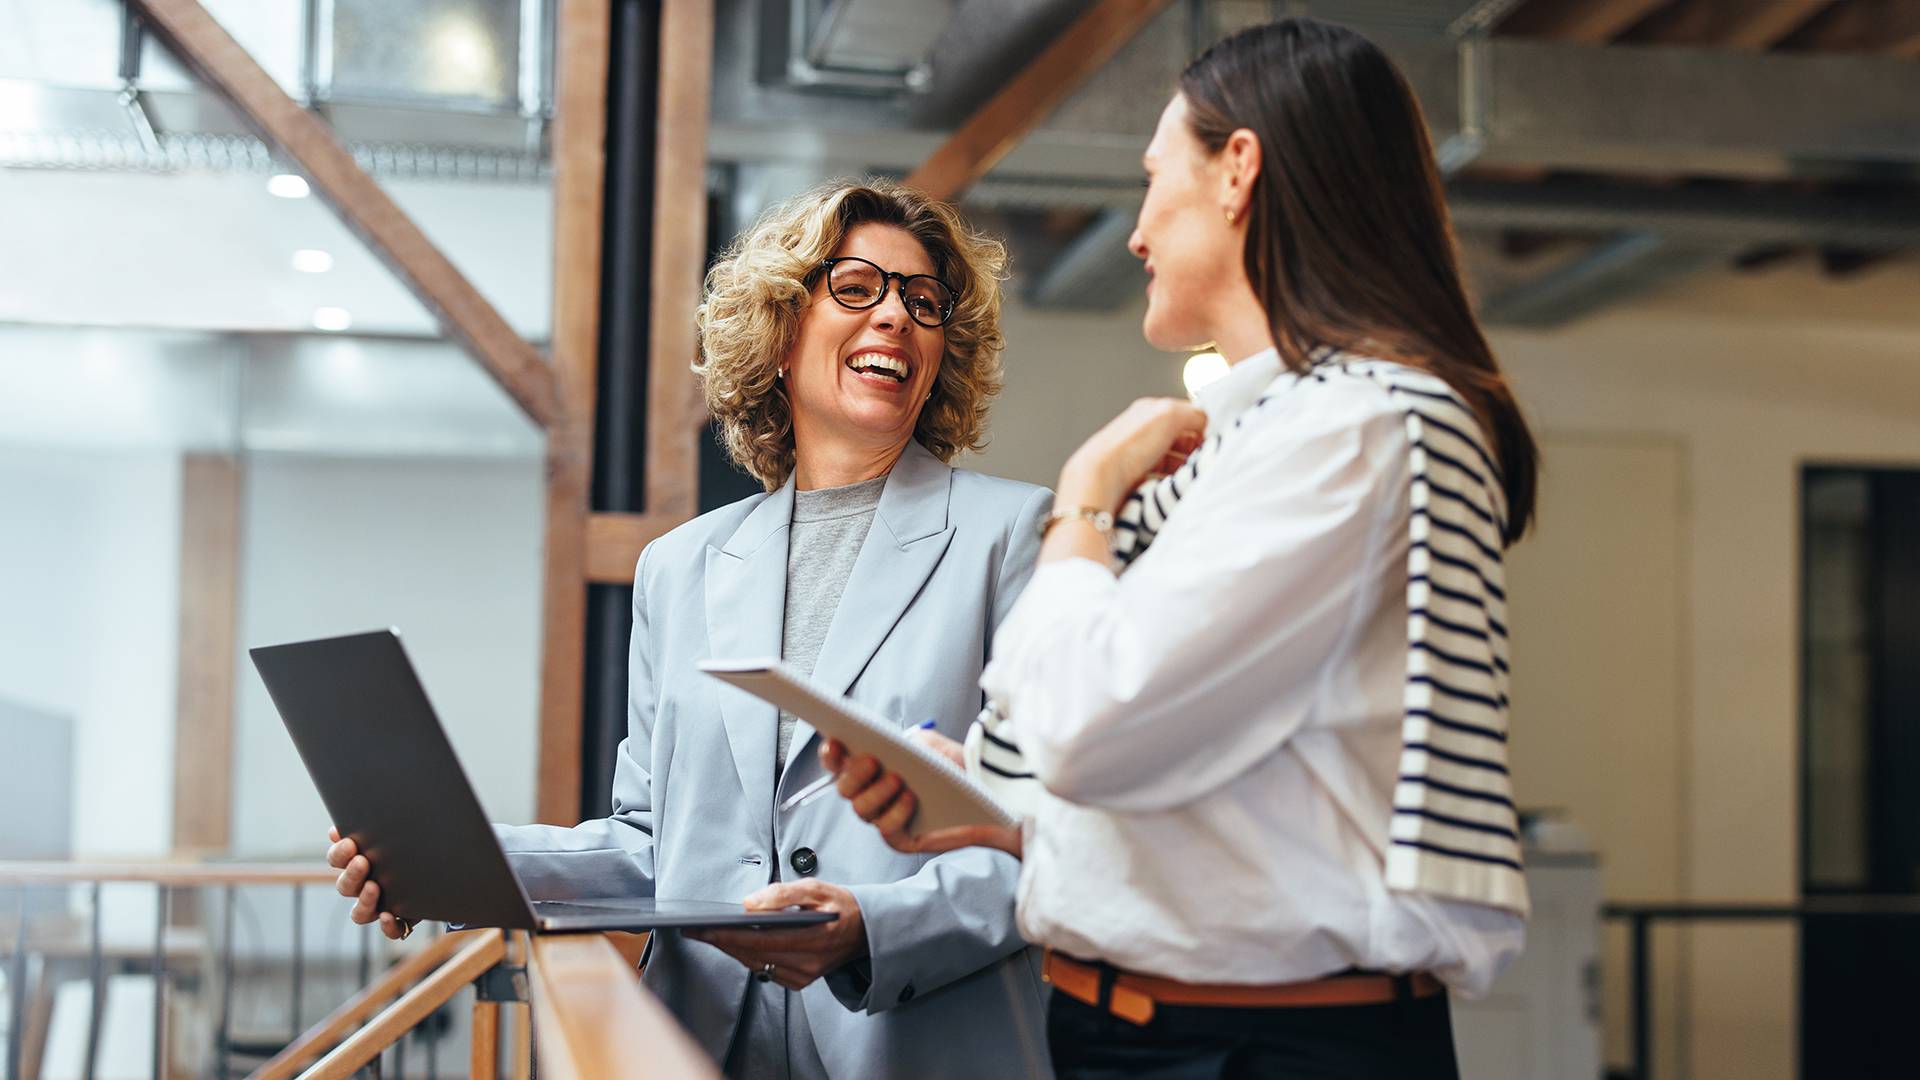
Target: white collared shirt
[(1219, 729)]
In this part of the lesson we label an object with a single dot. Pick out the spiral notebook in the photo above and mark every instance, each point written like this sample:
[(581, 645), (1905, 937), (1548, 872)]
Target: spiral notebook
[(947, 798)]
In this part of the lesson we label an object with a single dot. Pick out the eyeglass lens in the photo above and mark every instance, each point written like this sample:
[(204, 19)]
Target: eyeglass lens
[(858, 283)]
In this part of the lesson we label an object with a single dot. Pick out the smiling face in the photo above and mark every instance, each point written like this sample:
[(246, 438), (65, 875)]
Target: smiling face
[(857, 380), (1193, 254)]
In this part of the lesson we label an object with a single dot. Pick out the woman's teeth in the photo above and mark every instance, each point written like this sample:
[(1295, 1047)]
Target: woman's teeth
[(880, 364)]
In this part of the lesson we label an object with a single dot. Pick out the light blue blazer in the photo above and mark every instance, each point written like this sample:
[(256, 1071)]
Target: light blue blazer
[(949, 989)]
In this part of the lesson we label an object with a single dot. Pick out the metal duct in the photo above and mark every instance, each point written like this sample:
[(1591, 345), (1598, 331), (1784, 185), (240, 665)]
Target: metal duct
[(1617, 269), (868, 47), (1096, 272), (1730, 217)]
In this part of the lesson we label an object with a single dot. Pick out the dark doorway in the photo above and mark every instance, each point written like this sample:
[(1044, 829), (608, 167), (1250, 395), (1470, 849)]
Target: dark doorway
[(1860, 796)]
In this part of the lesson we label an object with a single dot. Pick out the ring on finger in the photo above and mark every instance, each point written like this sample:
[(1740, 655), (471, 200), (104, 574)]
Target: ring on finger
[(765, 974)]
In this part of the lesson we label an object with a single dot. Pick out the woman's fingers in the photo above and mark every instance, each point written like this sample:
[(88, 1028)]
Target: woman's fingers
[(366, 908), (353, 875), (873, 800), (892, 823), (342, 852), (857, 772), (1131, 447), (940, 744), (959, 836), (390, 926), (833, 755)]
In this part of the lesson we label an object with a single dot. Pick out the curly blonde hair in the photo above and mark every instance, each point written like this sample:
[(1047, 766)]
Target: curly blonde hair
[(756, 293)]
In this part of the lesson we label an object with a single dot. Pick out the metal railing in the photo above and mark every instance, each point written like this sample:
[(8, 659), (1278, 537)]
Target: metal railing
[(594, 1017), (46, 947), (1640, 917)]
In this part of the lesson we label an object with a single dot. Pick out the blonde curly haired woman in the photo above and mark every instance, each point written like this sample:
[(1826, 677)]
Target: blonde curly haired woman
[(850, 346)]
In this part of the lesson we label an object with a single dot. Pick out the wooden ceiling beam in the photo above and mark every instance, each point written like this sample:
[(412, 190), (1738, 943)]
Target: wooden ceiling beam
[(1031, 96), (186, 28), (1740, 24), (1594, 22), (1891, 27)]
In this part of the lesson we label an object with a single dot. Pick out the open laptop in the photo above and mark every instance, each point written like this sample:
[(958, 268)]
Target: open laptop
[(385, 770)]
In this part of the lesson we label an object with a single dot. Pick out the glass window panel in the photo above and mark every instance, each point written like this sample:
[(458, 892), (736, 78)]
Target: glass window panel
[(464, 50)]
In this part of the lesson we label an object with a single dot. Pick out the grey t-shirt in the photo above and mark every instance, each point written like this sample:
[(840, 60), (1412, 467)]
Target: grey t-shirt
[(773, 1039), (829, 525)]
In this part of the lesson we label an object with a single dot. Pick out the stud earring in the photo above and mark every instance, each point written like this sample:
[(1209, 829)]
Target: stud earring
[(1232, 215)]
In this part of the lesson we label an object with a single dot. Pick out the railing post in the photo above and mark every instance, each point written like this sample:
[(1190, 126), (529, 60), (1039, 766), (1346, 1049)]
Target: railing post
[(17, 988), (97, 1004), (160, 981), (1642, 999), (299, 964), (484, 1063), (226, 979)]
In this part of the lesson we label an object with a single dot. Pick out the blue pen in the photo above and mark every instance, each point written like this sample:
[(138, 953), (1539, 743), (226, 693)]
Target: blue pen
[(806, 794)]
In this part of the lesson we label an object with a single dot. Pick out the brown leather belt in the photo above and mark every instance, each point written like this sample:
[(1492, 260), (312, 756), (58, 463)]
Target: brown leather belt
[(1133, 997)]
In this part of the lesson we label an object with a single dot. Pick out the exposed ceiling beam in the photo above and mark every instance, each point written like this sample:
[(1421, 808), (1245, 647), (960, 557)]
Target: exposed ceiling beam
[(204, 46), (1029, 97), (1741, 24), (1594, 22), (1883, 26)]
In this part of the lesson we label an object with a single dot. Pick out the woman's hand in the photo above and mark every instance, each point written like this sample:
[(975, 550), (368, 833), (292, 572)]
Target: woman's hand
[(802, 954), (356, 880), (883, 799), (1152, 437)]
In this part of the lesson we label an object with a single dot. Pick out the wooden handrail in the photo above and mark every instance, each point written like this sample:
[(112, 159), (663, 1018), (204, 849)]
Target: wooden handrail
[(165, 873), (596, 1021), (341, 1022), (478, 953)]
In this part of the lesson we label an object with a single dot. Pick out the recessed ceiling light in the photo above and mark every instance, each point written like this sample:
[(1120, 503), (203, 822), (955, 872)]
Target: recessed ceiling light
[(288, 186), (331, 318), (1201, 369), (312, 261)]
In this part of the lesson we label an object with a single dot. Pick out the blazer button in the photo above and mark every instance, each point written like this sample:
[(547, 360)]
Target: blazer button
[(906, 993), (804, 861)]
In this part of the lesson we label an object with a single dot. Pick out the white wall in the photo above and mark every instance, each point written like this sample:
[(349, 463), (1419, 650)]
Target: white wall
[(89, 597), (1710, 397), (89, 600), (447, 551), (1066, 375)]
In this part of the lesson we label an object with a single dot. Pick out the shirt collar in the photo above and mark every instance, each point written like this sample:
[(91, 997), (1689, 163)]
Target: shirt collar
[(1231, 394)]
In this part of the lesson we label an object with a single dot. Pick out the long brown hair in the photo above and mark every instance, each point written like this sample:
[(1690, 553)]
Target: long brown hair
[(1348, 239)]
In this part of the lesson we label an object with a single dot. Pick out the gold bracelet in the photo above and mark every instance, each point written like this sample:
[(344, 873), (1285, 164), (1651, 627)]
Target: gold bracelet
[(1101, 520)]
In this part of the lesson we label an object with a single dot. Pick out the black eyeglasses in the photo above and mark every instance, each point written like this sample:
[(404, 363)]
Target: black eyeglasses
[(858, 284)]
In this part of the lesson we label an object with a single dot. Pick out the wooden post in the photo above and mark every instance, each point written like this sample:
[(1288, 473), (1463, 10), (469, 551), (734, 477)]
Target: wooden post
[(210, 494), (579, 169)]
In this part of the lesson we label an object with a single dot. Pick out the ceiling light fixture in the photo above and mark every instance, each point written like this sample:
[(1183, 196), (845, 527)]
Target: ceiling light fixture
[(288, 186), (332, 319), (312, 261), (1203, 368)]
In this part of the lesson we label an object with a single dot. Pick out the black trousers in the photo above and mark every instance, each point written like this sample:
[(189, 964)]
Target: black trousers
[(1410, 1039)]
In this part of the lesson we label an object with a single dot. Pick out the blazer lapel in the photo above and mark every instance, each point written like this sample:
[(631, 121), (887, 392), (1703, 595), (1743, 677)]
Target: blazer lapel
[(910, 534), (746, 598)]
